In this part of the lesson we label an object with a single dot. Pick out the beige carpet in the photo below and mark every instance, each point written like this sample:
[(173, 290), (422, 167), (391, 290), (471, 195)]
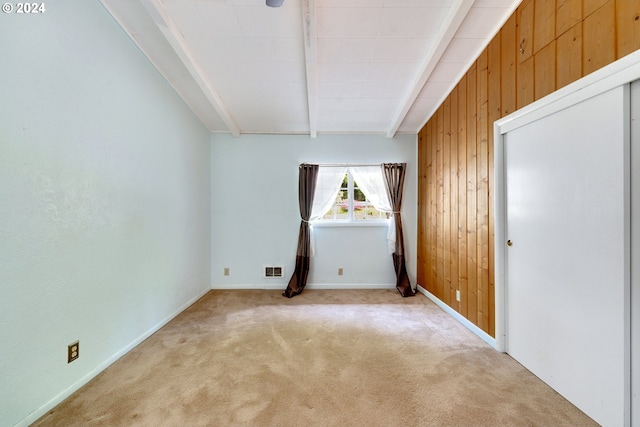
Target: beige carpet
[(323, 358)]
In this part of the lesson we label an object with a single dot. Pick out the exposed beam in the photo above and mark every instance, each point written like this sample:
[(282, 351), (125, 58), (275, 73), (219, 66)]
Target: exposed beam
[(179, 45), (309, 29), (447, 30)]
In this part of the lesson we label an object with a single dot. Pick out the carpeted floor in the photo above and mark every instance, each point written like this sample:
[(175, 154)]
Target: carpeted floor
[(323, 358)]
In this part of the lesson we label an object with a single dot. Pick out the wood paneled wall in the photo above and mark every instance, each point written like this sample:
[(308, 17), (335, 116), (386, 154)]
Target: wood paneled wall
[(545, 45)]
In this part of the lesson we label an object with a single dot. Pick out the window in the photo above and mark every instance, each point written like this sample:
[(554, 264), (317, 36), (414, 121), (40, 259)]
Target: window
[(351, 204)]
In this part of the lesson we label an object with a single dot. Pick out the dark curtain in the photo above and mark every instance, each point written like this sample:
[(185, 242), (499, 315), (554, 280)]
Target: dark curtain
[(306, 189), (394, 181)]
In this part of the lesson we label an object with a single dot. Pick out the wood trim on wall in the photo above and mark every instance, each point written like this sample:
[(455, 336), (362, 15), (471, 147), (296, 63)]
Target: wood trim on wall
[(545, 45)]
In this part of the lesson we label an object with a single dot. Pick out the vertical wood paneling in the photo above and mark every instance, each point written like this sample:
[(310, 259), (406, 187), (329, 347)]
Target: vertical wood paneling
[(424, 221), (422, 207), (543, 46), (598, 34), (569, 56), (427, 214), (462, 195), (628, 26), (591, 6), (525, 81), (508, 65), (495, 112), (440, 201), (433, 190), (472, 249), (545, 71), (525, 30), (544, 24), (569, 13), (446, 208), (482, 191), (453, 183)]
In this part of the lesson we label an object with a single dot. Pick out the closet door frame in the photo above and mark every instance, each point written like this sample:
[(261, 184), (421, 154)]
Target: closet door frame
[(620, 73), (635, 254)]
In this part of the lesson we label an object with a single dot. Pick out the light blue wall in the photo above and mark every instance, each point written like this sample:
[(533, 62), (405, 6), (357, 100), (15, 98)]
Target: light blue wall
[(118, 208), (104, 202), (255, 215)]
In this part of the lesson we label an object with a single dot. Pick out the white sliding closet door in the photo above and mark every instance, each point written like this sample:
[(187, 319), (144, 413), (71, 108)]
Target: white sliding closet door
[(567, 218)]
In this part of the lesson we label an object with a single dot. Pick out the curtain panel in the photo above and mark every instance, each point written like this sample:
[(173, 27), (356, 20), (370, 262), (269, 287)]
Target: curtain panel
[(388, 178), (328, 185), (393, 174), (307, 179), (371, 181)]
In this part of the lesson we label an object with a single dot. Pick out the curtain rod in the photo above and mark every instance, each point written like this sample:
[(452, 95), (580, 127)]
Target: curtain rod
[(338, 165)]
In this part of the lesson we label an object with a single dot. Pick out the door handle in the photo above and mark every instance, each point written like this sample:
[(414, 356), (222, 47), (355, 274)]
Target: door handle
[(509, 243)]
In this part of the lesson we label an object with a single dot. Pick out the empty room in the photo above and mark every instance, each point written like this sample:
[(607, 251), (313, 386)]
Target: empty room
[(320, 212)]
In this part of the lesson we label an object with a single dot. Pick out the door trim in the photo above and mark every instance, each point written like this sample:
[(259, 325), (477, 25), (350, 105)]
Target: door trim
[(635, 254)]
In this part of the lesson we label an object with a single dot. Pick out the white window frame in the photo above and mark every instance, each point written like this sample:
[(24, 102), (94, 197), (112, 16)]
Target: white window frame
[(350, 221)]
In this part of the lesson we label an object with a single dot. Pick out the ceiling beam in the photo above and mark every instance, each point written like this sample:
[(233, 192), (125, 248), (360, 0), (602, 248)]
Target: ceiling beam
[(178, 43), (309, 29), (447, 30)]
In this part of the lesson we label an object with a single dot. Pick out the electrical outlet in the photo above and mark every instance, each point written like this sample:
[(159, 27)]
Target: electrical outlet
[(340, 271), (226, 271), (458, 296), (73, 351)]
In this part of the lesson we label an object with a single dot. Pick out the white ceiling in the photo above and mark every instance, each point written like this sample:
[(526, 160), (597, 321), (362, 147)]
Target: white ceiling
[(312, 66)]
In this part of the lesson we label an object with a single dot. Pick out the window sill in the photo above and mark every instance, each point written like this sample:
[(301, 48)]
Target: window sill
[(347, 223)]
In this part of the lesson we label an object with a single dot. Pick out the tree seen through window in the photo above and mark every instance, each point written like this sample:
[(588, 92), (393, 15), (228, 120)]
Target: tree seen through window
[(352, 204)]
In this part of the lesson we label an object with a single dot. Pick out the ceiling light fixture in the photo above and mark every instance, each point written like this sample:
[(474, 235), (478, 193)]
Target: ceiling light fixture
[(274, 3)]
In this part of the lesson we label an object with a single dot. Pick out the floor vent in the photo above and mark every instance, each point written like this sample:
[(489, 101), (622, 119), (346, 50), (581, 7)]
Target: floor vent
[(273, 272)]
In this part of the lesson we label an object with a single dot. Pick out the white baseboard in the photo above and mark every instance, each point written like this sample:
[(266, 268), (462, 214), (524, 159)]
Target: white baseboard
[(35, 415), (248, 286), (282, 287), (473, 328)]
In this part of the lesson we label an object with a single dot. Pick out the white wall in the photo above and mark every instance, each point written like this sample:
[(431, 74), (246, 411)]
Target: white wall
[(104, 202), (254, 186)]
